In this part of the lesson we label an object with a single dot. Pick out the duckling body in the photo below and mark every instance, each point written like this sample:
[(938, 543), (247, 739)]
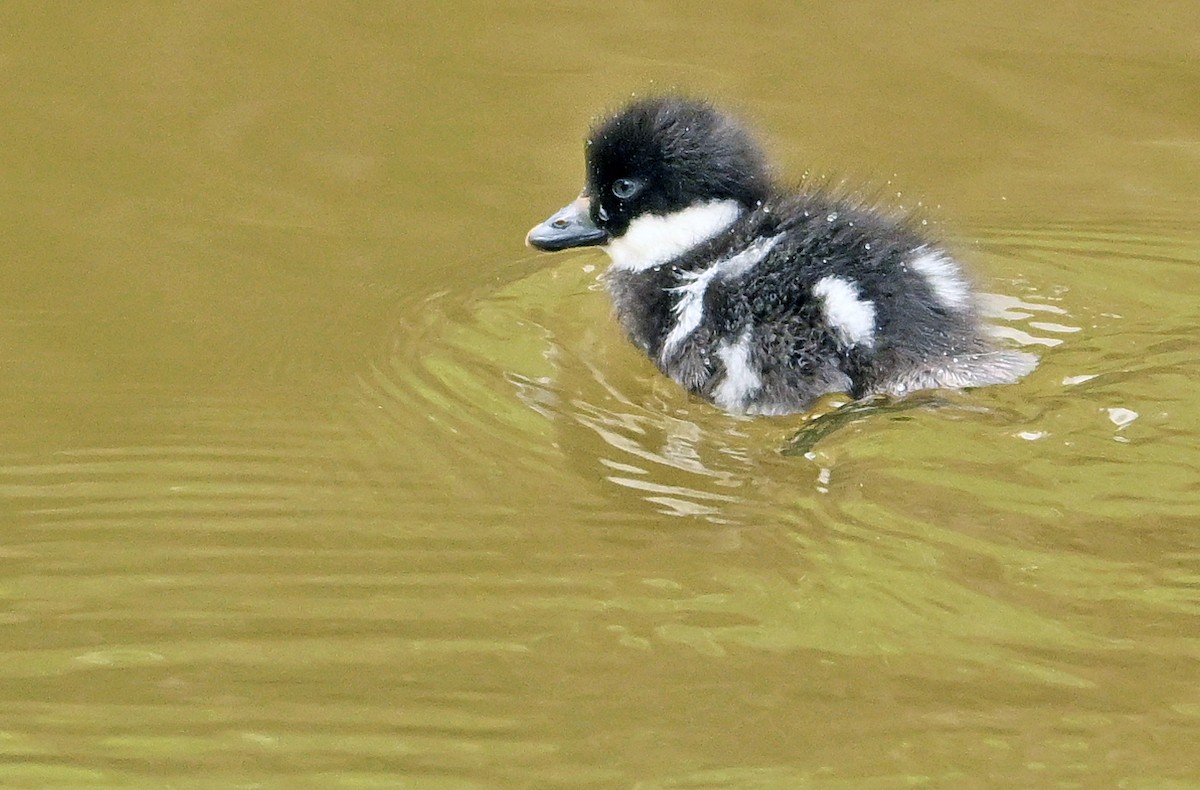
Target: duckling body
[(759, 299)]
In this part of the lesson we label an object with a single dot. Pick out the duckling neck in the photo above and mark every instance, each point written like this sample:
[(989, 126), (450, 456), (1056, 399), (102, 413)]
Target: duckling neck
[(653, 239)]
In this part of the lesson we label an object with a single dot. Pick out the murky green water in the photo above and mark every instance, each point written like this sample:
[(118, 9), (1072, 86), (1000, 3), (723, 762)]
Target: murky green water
[(311, 475)]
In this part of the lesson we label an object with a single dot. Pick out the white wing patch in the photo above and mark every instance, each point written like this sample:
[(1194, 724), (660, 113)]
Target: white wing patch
[(689, 310), (852, 318), (652, 239), (944, 279)]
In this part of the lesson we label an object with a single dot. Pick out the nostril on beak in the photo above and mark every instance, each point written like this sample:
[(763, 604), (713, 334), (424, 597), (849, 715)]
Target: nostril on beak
[(559, 224)]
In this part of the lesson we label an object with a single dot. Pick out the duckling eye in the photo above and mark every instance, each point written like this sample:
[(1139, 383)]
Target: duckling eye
[(625, 188)]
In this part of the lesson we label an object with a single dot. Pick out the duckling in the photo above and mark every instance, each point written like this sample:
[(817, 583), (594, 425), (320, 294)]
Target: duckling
[(755, 297)]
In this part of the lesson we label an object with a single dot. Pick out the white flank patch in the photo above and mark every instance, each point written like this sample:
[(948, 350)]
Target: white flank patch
[(652, 239), (689, 310), (851, 317), (741, 379), (944, 280)]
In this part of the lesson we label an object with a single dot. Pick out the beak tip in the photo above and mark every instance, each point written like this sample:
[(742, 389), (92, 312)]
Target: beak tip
[(568, 227)]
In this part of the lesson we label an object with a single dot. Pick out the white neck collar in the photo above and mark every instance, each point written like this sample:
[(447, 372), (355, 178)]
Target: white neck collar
[(653, 239)]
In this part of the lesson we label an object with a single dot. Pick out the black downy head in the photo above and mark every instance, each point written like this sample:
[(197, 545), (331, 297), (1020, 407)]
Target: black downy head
[(657, 156)]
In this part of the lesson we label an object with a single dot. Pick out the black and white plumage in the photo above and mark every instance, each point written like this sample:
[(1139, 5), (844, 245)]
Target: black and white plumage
[(756, 298)]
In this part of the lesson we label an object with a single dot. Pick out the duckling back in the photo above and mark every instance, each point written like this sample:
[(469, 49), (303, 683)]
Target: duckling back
[(806, 296)]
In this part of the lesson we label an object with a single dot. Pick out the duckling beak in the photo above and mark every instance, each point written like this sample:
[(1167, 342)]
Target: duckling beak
[(570, 226)]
